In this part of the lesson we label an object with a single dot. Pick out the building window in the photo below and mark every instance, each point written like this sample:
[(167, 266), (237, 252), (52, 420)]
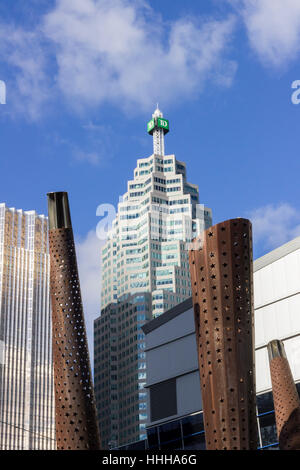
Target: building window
[(163, 399), (268, 428), (170, 435)]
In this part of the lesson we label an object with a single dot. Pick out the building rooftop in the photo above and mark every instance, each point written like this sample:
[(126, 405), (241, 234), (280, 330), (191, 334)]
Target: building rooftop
[(276, 254)]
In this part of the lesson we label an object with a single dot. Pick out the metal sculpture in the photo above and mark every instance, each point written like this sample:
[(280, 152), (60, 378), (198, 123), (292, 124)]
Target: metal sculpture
[(286, 398), (75, 411), (222, 284)]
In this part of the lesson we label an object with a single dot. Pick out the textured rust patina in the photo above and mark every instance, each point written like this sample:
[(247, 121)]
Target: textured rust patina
[(286, 398), (222, 284), (75, 412)]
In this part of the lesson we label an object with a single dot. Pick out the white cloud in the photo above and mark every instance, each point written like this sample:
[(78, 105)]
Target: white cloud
[(273, 28), (120, 51), (274, 225), (90, 157), (98, 147), (24, 52), (92, 127), (113, 51), (88, 250)]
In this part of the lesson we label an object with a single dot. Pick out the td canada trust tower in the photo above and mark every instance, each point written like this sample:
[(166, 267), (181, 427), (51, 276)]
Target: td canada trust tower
[(145, 272)]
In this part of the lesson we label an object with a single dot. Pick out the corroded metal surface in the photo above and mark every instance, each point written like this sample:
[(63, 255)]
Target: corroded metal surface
[(222, 285), (76, 424), (286, 398)]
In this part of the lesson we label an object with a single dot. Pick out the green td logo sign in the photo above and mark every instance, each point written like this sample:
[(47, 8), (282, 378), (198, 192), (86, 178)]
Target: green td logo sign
[(163, 123), (150, 125), (158, 123)]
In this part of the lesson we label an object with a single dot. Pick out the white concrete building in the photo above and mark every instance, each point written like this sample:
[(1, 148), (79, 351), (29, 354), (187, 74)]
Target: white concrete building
[(277, 308), (157, 217), (173, 378)]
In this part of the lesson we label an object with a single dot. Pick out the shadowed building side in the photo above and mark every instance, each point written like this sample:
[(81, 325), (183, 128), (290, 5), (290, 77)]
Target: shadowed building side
[(286, 398), (222, 285), (76, 423)]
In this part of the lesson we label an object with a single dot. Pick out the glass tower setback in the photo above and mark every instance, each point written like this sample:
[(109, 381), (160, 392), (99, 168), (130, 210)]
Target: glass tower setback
[(158, 216), (26, 378)]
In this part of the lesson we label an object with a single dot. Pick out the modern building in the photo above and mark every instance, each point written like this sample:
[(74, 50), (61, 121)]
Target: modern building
[(26, 378), (120, 370), (173, 382), (145, 256)]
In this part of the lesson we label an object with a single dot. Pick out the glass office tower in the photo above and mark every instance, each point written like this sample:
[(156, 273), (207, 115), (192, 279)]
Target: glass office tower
[(26, 378)]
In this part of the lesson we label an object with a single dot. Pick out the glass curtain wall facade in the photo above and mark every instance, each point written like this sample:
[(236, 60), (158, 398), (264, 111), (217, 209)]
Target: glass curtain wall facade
[(26, 378), (187, 433), (120, 370)]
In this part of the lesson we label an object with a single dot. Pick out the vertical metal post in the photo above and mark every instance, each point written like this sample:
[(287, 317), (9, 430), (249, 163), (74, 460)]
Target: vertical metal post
[(75, 411), (222, 286), (286, 398)]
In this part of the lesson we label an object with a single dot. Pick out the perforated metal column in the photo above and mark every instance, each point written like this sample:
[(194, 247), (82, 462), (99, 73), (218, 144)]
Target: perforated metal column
[(286, 398), (222, 285), (76, 424)]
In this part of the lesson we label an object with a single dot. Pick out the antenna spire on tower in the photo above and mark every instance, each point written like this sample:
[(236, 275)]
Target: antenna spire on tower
[(158, 127)]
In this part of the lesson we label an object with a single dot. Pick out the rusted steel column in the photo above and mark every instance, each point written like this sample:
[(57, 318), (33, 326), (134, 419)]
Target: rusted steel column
[(75, 411), (222, 285), (286, 398)]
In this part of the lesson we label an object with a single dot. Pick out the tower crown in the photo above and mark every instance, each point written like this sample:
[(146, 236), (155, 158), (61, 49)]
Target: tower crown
[(157, 113)]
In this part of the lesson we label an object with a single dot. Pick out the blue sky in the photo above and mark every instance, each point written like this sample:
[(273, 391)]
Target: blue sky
[(83, 79)]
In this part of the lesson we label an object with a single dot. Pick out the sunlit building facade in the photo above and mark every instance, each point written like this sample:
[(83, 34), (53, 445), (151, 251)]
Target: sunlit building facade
[(26, 378)]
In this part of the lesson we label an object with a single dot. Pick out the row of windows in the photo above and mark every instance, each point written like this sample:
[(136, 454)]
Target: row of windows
[(145, 164), (167, 190), (168, 181), (191, 189), (158, 200)]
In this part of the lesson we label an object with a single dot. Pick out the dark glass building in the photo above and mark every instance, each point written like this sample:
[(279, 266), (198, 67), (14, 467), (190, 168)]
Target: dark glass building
[(120, 370), (187, 433)]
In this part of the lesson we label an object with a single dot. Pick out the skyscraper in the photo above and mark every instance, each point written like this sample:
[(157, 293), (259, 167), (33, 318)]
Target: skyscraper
[(120, 370), (26, 379), (158, 215), (146, 253)]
